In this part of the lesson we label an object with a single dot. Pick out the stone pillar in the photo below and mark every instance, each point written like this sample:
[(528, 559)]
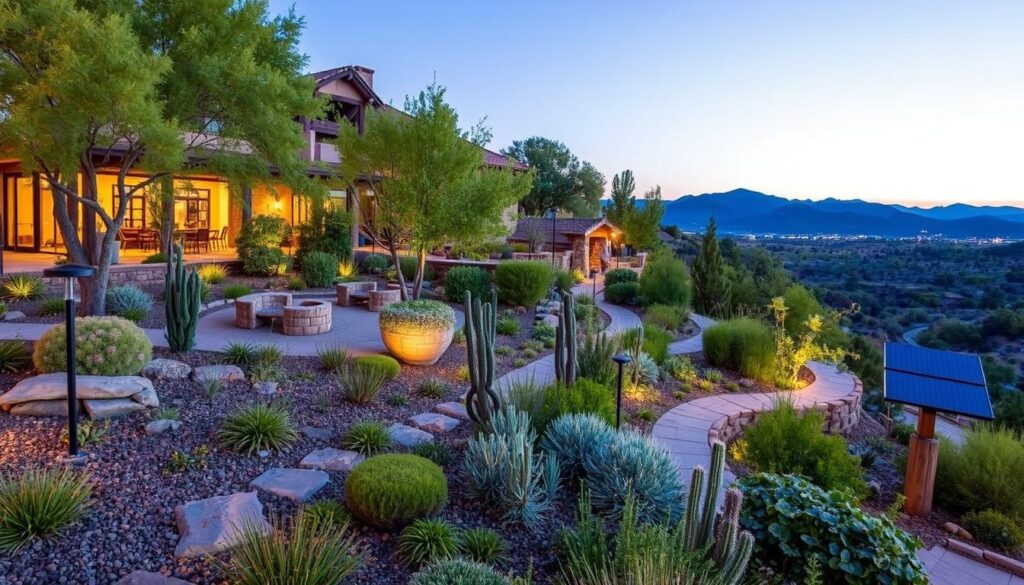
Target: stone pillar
[(580, 253)]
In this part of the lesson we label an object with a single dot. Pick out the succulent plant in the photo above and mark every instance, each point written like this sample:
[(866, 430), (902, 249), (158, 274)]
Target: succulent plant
[(481, 400), (565, 341), (182, 297)]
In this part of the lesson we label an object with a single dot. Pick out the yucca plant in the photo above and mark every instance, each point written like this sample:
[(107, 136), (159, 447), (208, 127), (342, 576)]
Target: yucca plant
[(330, 513), (51, 306), (212, 273), (239, 353), (307, 553), (428, 540), (38, 503), (332, 358), (594, 359), (268, 355), (15, 355), (361, 381), (257, 427), (367, 438), (22, 287), (432, 388)]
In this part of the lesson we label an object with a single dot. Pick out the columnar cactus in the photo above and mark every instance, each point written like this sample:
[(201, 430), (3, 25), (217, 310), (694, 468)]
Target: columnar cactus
[(182, 296), (565, 341), (481, 319)]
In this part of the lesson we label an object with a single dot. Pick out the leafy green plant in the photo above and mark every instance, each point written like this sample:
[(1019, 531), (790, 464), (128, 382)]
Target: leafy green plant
[(375, 263), (428, 540), (655, 341), (482, 545), (545, 334), (90, 432), (792, 520), (212, 273), (458, 572), (105, 346), (55, 306), (360, 382), (714, 376), (165, 413), (522, 282), (332, 358), (584, 397), (389, 491), (901, 432), (239, 353), (433, 388), (644, 415), (15, 355), (22, 287), (398, 400), (462, 374), (792, 352), (508, 324), (622, 293), (436, 452), (305, 552), (327, 229), (620, 275), (594, 359), (319, 269), (259, 245), (330, 513), (995, 529), (213, 387), (181, 461), (681, 368), (158, 258), (461, 279), (257, 427), (235, 290), (296, 283), (665, 281), (36, 503), (564, 280), (504, 350), (986, 471), (667, 317), (367, 438), (743, 345), (387, 363), (268, 355)]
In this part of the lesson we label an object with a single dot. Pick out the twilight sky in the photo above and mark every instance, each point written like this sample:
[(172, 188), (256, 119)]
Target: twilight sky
[(911, 101)]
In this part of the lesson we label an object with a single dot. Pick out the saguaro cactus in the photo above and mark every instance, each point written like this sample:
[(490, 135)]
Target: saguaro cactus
[(182, 296), (481, 319), (565, 341)]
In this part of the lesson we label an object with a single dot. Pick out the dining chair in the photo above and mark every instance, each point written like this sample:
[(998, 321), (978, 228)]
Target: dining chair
[(202, 239)]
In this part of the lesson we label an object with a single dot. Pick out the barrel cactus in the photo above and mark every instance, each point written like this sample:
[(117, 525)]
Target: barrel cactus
[(481, 319)]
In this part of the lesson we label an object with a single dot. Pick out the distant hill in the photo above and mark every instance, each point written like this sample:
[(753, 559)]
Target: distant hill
[(746, 211)]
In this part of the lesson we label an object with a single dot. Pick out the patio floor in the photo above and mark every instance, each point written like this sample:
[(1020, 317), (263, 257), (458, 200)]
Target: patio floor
[(37, 261)]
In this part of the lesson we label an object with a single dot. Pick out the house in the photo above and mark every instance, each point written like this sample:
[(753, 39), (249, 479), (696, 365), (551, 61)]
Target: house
[(204, 201), (587, 239)]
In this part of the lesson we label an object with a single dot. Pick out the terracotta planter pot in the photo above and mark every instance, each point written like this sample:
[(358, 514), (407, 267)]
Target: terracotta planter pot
[(417, 348)]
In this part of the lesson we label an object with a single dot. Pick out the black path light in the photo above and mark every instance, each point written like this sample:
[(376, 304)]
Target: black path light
[(933, 381), (622, 359), (554, 214), (593, 278), (69, 272)]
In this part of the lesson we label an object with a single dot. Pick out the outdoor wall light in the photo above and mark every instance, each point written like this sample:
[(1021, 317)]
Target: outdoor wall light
[(622, 359), (69, 272)]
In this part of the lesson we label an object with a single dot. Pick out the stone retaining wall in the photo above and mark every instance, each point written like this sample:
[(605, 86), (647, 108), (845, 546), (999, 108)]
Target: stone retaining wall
[(138, 274)]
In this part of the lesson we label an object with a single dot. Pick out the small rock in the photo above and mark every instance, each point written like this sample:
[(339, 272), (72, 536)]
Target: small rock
[(213, 525), (224, 373), (452, 409), (265, 388), (965, 535), (520, 310), (951, 527), (550, 320), (155, 427), (746, 383), (331, 459), (317, 433), (875, 487), (298, 485), (165, 369), (263, 453), (433, 422), (100, 409), (13, 315), (408, 436), (149, 578)]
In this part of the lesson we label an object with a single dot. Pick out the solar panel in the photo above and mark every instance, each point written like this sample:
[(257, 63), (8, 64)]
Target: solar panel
[(940, 380)]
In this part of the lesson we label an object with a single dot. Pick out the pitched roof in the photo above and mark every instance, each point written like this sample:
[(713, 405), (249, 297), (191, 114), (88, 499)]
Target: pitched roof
[(565, 228), (349, 73)]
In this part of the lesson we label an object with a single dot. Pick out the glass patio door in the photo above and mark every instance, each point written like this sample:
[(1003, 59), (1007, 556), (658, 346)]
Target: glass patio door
[(19, 203)]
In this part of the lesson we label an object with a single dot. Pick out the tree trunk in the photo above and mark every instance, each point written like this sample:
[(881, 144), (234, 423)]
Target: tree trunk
[(393, 248), (421, 262)]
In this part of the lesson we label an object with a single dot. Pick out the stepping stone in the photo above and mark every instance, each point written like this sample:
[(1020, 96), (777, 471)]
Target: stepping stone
[(433, 422), (408, 436), (298, 485), (453, 409), (165, 369), (99, 409), (317, 433), (148, 578), (54, 387), (214, 524), (331, 459), (224, 373), (41, 408)]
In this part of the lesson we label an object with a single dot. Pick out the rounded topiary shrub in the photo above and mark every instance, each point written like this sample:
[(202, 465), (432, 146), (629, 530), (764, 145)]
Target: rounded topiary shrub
[(390, 491), (622, 293), (384, 362), (458, 572), (104, 346), (319, 269), (460, 279), (523, 282), (620, 275)]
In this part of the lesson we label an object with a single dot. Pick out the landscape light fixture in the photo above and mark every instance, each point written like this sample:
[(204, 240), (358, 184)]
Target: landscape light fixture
[(554, 214), (622, 359), (593, 278), (933, 381), (69, 272)]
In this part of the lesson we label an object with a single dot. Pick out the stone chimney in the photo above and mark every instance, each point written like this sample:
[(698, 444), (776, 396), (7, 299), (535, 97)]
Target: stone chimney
[(365, 73)]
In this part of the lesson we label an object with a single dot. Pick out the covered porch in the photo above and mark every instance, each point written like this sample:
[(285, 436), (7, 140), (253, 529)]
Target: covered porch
[(36, 262)]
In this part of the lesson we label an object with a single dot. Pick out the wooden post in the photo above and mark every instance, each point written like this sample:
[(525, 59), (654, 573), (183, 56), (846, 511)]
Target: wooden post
[(922, 460)]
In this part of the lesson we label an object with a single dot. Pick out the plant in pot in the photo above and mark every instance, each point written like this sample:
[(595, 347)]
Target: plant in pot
[(417, 332)]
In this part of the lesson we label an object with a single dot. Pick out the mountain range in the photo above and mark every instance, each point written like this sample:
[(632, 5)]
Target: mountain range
[(743, 211)]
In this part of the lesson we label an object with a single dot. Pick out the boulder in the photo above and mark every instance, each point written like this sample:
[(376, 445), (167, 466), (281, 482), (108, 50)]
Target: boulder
[(41, 408), (155, 427), (149, 578), (407, 436), (224, 373), (298, 485), (452, 409), (165, 369), (54, 386), (331, 459), (99, 409), (214, 524), (433, 422), (13, 315), (147, 397)]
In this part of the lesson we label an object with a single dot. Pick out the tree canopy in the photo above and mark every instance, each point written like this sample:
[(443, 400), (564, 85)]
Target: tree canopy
[(561, 180), (622, 201), (640, 224)]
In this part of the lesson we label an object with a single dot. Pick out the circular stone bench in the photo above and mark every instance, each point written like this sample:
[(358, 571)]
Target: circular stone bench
[(382, 298), (250, 310), (349, 293), (307, 317)]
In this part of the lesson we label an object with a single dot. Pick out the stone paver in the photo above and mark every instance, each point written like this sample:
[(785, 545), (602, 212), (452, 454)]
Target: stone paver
[(53, 386), (946, 567), (407, 436), (223, 372), (214, 524), (452, 409), (298, 485), (331, 459), (100, 409), (433, 422)]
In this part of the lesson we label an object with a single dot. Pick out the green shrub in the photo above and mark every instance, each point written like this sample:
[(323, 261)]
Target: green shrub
[(367, 438), (665, 316), (331, 513), (1010, 411), (594, 358), (785, 441), (407, 264), (995, 529), (327, 229), (259, 245), (544, 333), (305, 552), (104, 346), (985, 472), (522, 282), (387, 363), (665, 281), (235, 290), (901, 432), (375, 263), (257, 427), (158, 258), (507, 324), (655, 344), (743, 345), (583, 397), (632, 466), (37, 503), (426, 541), (212, 273), (332, 358), (389, 491), (564, 279), (296, 283), (482, 545), (15, 355), (458, 572), (55, 306), (432, 388), (622, 293), (460, 279), (360, 381), (714, 376), (319, 269), (620, 275), (681, 368), (793, 520), (22, 287), (239, 353), (268, 355), (573, 438), (421, 315), (434, 451)]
